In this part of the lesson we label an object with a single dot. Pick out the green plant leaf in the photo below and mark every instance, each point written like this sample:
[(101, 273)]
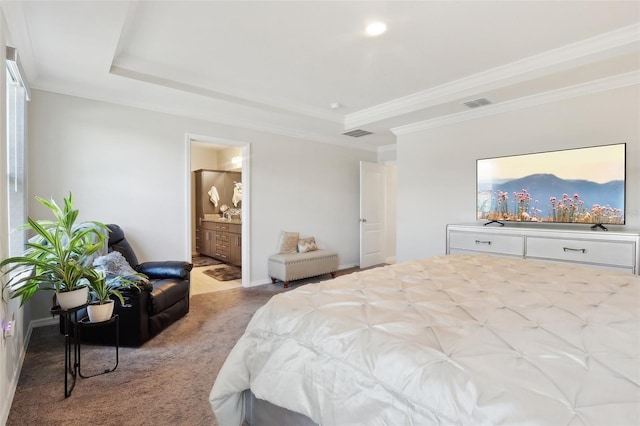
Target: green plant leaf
[(58, 257)]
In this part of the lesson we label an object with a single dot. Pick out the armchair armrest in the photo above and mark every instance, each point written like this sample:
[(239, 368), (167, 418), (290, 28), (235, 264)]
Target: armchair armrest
[(142, 283), (166, 269)]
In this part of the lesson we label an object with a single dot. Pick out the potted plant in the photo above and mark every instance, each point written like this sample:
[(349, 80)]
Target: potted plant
[(102, 287), (58, 257)]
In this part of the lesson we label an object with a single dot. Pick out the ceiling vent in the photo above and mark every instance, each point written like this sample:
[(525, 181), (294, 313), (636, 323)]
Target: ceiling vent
[(357, 133), (475, 103)]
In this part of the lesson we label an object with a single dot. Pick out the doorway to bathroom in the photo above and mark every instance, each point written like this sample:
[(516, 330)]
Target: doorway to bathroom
[(218, 213)]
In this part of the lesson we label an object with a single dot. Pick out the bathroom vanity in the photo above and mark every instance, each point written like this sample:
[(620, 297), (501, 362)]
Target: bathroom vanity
[(220, 239), (217, 236)]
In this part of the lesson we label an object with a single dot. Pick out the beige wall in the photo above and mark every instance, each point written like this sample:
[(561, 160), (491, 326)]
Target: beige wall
[(391, 183), (225, 159), (203, 156), (129, 166), (436, 167)]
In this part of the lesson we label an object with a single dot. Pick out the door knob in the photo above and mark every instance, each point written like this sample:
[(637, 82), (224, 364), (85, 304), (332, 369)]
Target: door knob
[(363, 220)]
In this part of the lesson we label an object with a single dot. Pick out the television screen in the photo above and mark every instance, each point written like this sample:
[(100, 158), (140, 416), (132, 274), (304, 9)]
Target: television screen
[(583, 185)]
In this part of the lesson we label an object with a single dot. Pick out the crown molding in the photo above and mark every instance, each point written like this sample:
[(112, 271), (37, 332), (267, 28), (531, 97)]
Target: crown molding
[(136, 70), (595, 86), (237, 98), (532, 67), (212, 117)]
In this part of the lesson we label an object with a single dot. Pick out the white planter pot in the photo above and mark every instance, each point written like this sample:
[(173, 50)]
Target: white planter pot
[(100, 313), (73, 299)]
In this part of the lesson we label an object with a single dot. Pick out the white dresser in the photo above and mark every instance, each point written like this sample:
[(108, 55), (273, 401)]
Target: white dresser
[(618, 250)]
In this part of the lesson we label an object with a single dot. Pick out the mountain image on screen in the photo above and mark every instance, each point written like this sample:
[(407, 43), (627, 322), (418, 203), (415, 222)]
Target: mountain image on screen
[(547, 198)]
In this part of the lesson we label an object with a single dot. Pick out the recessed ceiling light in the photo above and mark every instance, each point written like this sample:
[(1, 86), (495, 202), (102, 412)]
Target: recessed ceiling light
[(376, 28)]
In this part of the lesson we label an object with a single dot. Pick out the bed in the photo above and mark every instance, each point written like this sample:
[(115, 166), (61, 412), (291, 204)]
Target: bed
[(457, 339)]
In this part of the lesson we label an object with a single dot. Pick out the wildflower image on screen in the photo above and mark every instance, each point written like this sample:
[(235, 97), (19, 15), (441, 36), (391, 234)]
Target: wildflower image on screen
[(584, 185)]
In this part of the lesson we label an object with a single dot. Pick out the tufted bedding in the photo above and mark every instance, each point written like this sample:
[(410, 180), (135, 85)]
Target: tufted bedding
[(459, 339)]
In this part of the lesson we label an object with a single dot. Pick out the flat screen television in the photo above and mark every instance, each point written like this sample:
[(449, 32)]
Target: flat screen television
[(582, 185)]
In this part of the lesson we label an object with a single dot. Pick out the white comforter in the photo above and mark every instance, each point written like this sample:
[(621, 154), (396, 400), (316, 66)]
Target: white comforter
[(468, 340)]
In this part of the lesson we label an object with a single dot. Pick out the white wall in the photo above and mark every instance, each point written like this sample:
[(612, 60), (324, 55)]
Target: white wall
[(129, 166), (436, 167), (391, 190), (12, 349), (8, 365)]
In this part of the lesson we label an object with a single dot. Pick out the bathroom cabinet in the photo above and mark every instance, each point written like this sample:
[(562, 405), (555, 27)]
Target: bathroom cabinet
[(235, 244), (215, 238)]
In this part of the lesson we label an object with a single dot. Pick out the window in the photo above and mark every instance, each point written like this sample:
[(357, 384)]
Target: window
[(17, 97)]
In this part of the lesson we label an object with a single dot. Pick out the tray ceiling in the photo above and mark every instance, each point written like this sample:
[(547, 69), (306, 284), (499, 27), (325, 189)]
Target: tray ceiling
[(279, 66)]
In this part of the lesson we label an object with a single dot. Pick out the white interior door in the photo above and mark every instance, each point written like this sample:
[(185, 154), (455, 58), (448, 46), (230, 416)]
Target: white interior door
[(372, 214)]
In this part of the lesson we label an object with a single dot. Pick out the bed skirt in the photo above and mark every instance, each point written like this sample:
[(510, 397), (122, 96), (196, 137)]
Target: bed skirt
[(259, 412)]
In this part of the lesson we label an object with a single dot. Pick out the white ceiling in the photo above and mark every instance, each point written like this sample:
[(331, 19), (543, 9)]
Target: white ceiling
[(278, 66)]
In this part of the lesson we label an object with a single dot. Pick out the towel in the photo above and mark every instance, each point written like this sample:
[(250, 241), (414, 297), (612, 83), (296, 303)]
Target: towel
[(237, 194), (213, 196)]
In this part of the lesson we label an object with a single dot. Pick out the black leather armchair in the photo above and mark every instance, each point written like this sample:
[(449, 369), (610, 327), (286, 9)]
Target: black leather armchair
[(157, 305)]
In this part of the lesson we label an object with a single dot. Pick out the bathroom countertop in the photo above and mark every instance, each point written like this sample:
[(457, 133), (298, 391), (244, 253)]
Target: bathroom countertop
[(221, 220)]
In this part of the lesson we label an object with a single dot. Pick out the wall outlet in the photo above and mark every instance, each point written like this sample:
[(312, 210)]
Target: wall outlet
[(8, 328)]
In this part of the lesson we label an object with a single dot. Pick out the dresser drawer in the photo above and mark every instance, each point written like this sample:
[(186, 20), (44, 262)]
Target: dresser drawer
[(612, 253), (486, 242), (207, 225), (221, 227), (222, 251)]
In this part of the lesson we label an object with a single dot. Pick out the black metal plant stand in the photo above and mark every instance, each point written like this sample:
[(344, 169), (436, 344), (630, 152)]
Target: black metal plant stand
[(73, 343), (70, 367), (84, 322)]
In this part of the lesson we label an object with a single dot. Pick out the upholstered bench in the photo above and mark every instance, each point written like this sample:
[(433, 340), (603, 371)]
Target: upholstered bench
[(296, 266)]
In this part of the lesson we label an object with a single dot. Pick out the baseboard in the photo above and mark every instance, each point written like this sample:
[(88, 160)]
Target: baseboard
[(11, 389), (43, 322), (260, 282), (13, 384), (346, 266)]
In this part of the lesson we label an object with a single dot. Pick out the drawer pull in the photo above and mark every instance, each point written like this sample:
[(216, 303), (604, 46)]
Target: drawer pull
[(574, 249), (483, 242)]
